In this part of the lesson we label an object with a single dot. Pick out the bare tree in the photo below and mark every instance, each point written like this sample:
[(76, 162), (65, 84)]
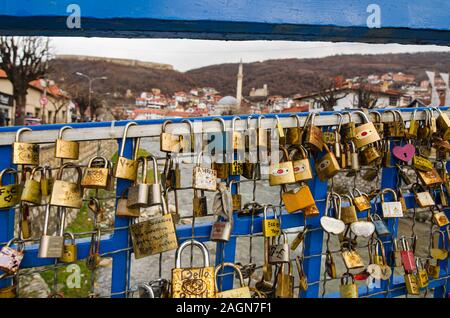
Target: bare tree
[(58, 104), (23, 59), (329, 92), (365, 96)]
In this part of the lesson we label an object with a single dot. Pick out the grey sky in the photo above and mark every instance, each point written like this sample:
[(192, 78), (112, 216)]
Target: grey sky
[(189, 54)]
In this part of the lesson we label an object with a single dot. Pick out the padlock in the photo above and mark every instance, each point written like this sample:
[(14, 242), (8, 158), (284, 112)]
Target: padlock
[(365, 133), (122, 207), (443, 196), (348, 289), (438, 250), (443, 124), (354, 157), (25, 153), (411, 132), (421, 163), (97, 177), (399, 124), (294, 134), (199, 204), (127, 168), (378, 124), (423, 198), (52, 246), (32, 191), (298, 198), (348, 213), (172, 174), (374, 268), (429, 178), (66, 149), (155, 235), (403, 173), (189, 144), (65, 193), (236, 167), (386, 158), (241, 292), (197, 282), (69, 254), (362, 228), (169, 142), (423, 132), (9, 194), (237, 138), (155, 195), (396, 259), (440, 218), (145, 291), (283, 171), (327, 166), (433, 270), (9, 291), (302, 166), (330, 266), (139, 192), (422, 274), (204, 178), (263, 135), (412, 287), (391, 209), (236, 197), (380, 227), (361, 200), (94, 258), (279, 252), (371, 155), (222, 167), (284, 281), (313, 135), (407, 256), (333, 225), (25, 222), (381, 261), (348, 129), (46, 181), (280, 130), (337, 137), (10, 258), (271, 227), (303, 279), (352, 259), (299, 239), (158, 288), (222, 208)]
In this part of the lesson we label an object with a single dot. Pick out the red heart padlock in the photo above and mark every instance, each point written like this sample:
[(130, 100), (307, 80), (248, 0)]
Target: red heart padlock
[(404, 153)]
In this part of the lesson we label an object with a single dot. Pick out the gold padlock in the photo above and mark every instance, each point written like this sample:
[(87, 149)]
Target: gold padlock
[(271, 227), (9, 194), (97, 177), (348, 213), (66, 149), (352, 259), (169, 142), (297, 199), (348, 289), (443, 124), (327, 166), (236, 136), (302, 166), (32, 192), (282, 172), (294, 134), (65, 193), (122, 207), (429, 178), (242, 292), (348, 129), (204, 178), (366, 133), (25, 153), (361, 200), (222, 167), (314, 136), (127, 168), (69, 250)]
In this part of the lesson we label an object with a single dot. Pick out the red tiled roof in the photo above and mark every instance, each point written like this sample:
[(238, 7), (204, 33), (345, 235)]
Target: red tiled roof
[(2, 74), (52, 90), (297, 109)]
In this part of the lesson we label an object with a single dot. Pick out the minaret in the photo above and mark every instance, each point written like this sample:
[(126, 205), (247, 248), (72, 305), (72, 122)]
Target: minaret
[(240, 76)]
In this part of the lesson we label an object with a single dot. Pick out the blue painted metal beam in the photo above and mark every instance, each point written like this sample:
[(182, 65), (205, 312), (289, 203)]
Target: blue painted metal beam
[(402, 21)]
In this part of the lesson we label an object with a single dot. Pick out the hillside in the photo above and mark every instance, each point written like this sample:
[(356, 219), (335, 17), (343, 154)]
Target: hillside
[(284, 77)]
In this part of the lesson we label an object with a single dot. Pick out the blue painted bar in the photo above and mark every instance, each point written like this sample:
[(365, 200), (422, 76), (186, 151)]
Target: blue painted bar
[(239, 20)]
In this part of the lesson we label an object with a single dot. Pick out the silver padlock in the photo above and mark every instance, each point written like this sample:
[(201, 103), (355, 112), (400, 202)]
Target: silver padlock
[(279, 253), (138, 193), (154, 194), (380, 227), (52, 246), (223, 208)]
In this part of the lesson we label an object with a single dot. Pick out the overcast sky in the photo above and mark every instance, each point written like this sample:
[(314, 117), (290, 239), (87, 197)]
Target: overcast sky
[(189, 54)]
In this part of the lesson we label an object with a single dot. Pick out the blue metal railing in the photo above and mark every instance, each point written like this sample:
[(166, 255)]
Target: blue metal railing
[(119, 239)]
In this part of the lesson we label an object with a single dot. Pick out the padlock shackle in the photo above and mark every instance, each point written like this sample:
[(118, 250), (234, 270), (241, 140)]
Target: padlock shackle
[(124, 137), (297, 119), (164, 125), (187, 243), (37, 169), (9, 171), (380, 245), (440, 238), (233, 123), (362, 115), (61, 131), (346, 276), (266, 207), (69, 165), (142, 160), (71, 237), (383, 191), (235, 269), (340, 120), (249, 118), (20, 245), (377, 115), (260, 117), (106, 161), (147, 288), (154, 167), (19, 132), (296, 149)]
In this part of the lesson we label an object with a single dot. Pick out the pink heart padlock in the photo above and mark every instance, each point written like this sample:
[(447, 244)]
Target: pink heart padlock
[(404, 153)]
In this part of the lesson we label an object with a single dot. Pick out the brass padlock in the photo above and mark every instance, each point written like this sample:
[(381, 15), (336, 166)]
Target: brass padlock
[(26, 229), (412, 287), (361, 200), (422, 274), (169, 142), (9, 194), (204, 178), (443, 124), (371, 154), (348, 213), (440, 218), (183, 284), (155, 235), (282, 172), (284, 287), (236, 197), (411, 132), (303, 279), (122, 207), (97, 177), (237, 138), (242, 292), (378, 124), (348, 129), (199, 204), (294, 134), (32, 191), (438, 252), (69, 250), (222, 167), (314, 136), (352, 259), (280, 130), (65, 193), (25, 153), (127, 168), (433, 270), (423, 198), (66, 149), (348, 289), (46, 181), (429, 178), (365, 133), (330, 266), (302, 166), (327, 166), (421, 163)]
